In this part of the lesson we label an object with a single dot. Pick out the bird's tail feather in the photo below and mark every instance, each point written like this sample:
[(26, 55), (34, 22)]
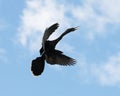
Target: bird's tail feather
[(37, 66)]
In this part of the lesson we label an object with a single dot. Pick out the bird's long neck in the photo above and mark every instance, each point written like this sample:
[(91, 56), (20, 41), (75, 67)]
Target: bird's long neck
[(61, 36)]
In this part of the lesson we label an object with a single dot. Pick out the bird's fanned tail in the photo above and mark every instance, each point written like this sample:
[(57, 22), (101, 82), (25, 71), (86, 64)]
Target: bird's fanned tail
[(37, 66)]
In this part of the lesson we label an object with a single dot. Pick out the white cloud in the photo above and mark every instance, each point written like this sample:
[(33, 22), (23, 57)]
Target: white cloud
[(36, 17), (104, 74), (96, 15), (111, 9), (109, 72), (93, 15)]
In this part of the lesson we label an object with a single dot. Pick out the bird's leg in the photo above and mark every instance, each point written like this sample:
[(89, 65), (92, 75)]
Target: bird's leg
[(41, 50)]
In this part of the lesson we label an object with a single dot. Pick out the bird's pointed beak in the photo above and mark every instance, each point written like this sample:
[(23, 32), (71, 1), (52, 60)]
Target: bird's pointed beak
[(76, 28)]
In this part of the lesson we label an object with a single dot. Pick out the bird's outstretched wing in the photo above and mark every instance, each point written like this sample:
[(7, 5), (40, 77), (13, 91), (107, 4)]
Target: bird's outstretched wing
[(62, 59), (49, 31), (59, 58), (37, 66)]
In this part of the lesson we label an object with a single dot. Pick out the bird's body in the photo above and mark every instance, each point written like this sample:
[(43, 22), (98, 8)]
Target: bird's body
[(49, 53)]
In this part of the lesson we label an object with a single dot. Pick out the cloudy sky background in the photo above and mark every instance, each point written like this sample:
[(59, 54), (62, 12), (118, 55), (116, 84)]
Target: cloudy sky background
[(96, 47)]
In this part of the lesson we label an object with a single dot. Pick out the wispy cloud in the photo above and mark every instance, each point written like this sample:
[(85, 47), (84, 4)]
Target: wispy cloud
[(92, 15), (37, 16), (97, 15), (104, 74), (108, 73)]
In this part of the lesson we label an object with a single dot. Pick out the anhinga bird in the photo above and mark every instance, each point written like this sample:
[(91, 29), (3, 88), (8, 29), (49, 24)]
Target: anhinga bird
[(49, 53)]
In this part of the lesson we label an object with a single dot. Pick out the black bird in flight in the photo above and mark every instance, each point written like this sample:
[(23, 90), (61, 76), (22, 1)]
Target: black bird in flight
[(49, 53)]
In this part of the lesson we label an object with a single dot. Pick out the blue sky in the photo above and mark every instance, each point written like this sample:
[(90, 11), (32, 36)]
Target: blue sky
[(95, 46)]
